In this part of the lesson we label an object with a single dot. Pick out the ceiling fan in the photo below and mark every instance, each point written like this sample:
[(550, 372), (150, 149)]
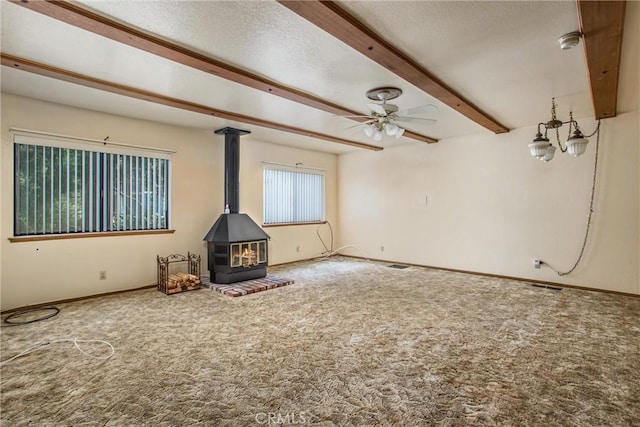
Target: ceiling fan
[(383, 117)]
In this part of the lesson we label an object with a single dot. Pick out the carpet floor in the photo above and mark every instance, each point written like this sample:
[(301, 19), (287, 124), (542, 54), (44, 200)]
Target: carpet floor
[(351, 343)]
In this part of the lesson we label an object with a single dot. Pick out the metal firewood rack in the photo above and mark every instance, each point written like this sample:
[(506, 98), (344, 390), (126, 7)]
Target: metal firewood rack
[(164, 265)]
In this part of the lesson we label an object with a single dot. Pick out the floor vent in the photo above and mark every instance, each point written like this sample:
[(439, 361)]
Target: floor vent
[(553, 288), (398, 266)]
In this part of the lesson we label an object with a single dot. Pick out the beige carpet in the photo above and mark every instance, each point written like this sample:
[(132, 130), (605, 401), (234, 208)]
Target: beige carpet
[(350, 343)]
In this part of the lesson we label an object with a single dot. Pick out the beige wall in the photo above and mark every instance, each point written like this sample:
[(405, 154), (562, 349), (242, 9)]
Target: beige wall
[(473, 203), (484, 204), (45, 271), (293, 242)]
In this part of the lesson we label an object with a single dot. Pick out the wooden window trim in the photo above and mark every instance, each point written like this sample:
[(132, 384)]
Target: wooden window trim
[(287, 224), (21, 239)]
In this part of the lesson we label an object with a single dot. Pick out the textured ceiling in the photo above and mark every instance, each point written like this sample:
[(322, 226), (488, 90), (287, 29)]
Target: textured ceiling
[(502, 56)]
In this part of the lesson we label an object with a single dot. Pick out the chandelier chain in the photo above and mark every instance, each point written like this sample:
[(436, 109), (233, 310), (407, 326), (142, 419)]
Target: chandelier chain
[(554, 118), (571, 124), (593, 192)]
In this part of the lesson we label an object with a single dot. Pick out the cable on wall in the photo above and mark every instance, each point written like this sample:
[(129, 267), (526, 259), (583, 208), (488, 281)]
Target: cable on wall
[(329, 251), (593, 192), (337, 252)]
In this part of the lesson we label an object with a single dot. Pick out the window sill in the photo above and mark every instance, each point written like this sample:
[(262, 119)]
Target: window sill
[(21, 239), (287, 224)]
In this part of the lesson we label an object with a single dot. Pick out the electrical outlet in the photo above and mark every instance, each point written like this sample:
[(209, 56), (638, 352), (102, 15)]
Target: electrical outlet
[(381, 248), (103, 275), (297, 248), (537, 263)]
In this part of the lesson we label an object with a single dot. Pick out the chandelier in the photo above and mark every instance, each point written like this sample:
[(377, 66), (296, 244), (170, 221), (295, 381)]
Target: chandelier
[(542, 149), (375, 129)]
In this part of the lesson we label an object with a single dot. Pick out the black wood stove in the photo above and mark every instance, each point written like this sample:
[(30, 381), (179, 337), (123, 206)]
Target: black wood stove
[(237, 246)]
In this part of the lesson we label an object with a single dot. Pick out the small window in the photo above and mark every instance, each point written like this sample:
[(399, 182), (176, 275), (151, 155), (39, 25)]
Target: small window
[(63, 187), (293, 195)]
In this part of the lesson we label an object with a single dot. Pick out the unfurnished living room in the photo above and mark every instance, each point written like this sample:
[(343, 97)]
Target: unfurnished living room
[(327, 213)]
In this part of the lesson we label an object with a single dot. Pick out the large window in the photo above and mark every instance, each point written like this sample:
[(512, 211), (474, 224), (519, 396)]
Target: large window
[(64, 187), (293, 195)]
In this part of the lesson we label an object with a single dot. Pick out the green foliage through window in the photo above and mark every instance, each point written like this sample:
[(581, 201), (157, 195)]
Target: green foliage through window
[(66, 190)]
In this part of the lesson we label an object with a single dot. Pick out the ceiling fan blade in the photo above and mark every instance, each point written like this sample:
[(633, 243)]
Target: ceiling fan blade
[(411, 119), (368, 122), (378, 109), (421, 109)]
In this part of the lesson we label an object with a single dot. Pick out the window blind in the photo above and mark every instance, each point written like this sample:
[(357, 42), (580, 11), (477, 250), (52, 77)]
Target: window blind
[(67, 187), (292, 195)]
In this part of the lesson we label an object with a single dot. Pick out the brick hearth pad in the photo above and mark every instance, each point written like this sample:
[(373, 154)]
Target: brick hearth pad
[(250, 286)]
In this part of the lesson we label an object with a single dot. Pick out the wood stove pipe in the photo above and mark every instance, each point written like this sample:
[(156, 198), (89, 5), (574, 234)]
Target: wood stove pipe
[(232, 167)]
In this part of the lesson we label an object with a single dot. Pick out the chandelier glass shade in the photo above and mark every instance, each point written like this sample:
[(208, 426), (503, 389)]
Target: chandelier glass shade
[(577, 144), (542, 149)]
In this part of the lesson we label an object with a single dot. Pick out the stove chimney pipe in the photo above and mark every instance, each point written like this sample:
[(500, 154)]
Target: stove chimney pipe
[(232, 167)]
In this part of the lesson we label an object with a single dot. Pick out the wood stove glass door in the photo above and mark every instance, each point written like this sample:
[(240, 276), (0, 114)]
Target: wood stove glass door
[(236, 260)]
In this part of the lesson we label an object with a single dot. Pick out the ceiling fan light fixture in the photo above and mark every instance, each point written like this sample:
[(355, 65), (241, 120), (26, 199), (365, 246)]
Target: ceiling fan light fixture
[(391, 129), (369, 130), (382, 117)]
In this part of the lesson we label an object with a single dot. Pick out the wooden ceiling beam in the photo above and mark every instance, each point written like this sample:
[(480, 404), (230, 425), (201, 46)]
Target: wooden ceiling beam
[(338, 22), (78, 16), (601, 24), (80, 79)]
